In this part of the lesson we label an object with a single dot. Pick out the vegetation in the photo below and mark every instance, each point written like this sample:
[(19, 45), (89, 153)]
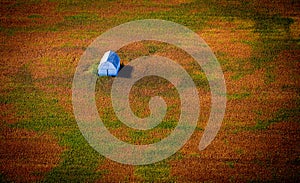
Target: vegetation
[(258, 50)]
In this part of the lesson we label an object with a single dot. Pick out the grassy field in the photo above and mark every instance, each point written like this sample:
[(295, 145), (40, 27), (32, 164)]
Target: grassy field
[(257, 43)]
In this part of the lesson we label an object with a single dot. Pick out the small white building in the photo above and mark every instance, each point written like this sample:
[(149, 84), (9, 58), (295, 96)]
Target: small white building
[(109, 64)]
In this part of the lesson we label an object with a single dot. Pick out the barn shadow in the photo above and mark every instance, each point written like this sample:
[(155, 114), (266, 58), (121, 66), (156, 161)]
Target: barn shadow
[(125, 71)]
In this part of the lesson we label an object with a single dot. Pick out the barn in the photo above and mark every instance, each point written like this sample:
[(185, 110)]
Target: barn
[(109, 64)]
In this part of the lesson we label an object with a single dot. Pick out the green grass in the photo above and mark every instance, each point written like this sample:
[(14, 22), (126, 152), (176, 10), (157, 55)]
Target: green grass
[(195, 21), (237, 76), (139, 137), (274, 38), (201, 81), (153, 48), (146, 137), (238, 96), (113, 124), (81, 19), (35, 16), (11, 31), (79, 162), (274, 32), (269, 76), (42, 113), (157, 172), (72, 5), (282, 115), (230, 164), (8, 31), (240, 151), (168, 124)]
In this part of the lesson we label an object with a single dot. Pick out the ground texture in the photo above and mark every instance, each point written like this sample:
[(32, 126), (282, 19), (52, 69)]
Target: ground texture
[(256, 42)]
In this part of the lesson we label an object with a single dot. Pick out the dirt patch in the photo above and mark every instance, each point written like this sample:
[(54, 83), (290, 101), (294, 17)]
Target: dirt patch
[(20, 14), (263, 98), (263, 155), (247, 82), (26, 156), (7, 114), (250, 95), (287, 70), (283, 7), (49, 63), (172, 2), (117, 172), (260, 155), (294, 28), (225, 40)]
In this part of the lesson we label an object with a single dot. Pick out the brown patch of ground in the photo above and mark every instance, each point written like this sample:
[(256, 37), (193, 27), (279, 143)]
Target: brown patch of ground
[(26, 156), (49, 63), (249, 82), (116, 9), (287, 70), (283, 7), (259, 97), (17, 14), (7, 114), (117, 172), (121, 133), (228, 41), (138, 8), (241, 155), (172, 2), (262, 155), (294, 28)]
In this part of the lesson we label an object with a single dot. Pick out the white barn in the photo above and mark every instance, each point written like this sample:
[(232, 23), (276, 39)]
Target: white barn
[(109, 64)]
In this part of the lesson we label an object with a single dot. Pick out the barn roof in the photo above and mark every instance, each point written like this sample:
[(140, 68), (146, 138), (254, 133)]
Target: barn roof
[(111, 57)]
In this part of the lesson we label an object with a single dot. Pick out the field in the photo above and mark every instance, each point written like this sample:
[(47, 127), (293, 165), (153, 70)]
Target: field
[(257, 43)]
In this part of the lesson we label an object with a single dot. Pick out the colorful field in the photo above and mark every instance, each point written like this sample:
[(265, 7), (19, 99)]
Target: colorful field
[(257, 43)]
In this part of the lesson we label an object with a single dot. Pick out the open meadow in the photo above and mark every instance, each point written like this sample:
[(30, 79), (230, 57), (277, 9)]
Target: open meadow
[(257, 43)]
